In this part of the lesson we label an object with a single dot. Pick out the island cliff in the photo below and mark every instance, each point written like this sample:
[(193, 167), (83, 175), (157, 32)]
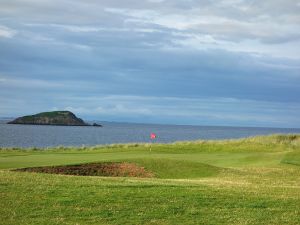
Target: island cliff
[(59, 118)]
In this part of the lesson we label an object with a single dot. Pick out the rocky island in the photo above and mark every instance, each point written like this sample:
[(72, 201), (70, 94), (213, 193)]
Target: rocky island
[(58, 118)]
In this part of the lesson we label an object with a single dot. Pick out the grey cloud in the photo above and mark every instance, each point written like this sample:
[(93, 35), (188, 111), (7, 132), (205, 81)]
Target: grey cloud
[(269, 21), (119, 62), (170, 54)]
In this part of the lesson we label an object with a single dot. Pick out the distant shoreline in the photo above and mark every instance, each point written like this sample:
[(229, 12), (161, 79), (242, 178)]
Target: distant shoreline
[(4, 120), (263, 138)]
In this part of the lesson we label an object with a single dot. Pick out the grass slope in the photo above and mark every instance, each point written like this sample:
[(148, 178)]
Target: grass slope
[(246, 181), (177, 169), (292, 158)]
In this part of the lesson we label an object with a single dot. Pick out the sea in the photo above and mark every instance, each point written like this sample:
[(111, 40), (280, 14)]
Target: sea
[(27, 136)]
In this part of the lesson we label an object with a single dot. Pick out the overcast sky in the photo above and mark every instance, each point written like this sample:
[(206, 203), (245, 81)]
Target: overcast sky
[(222, 62)]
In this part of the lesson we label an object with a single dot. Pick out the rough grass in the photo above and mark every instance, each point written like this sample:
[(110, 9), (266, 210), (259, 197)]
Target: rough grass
[(123, 169), (246, 181)]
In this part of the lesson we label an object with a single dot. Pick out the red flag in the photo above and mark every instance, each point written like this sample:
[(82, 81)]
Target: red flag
[(152, 135)]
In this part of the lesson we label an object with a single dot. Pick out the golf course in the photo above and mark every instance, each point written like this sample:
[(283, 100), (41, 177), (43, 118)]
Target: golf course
[(254, 180)]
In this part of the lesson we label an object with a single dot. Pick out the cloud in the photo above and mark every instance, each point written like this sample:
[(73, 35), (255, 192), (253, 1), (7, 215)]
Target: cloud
[(256, 26), (132, 69), (205, 111), (216, 19), (6, 32), (74, 28), (165, 57)]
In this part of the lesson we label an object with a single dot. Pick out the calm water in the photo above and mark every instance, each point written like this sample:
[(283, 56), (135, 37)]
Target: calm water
[(46, 136)]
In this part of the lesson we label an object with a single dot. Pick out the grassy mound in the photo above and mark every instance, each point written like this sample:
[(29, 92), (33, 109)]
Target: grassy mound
[(292, 158), (145, 167), (177, 169)]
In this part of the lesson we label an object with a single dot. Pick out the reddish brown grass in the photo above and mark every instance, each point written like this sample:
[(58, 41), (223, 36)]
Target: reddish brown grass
[(122, 169)]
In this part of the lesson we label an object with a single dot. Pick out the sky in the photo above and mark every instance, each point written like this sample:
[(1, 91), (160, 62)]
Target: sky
[(204, 62)]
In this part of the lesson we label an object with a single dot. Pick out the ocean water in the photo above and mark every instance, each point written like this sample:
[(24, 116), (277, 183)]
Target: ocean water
[(12, 135)]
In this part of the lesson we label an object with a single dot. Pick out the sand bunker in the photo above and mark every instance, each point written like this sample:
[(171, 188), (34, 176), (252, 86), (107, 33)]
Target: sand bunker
[(110, 169)]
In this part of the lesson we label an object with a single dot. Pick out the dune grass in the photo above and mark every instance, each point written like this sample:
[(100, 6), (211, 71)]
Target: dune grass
[(246, 181)]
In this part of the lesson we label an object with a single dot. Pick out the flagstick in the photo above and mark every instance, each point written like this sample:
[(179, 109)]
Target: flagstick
[(152, 137)]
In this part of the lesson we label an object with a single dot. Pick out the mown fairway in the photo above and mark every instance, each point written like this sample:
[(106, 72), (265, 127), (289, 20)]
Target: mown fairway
[(247, 181)]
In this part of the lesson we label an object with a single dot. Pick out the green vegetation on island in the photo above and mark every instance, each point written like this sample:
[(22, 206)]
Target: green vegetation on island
[(245, 181), (61, 118)]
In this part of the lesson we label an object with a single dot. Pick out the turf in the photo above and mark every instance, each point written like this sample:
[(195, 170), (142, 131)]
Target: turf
[(247, 181)]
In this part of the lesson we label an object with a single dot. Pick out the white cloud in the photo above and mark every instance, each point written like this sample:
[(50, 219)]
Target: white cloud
[(6, 32), (210, 22), (74, 28), (91, 29), (80, 47)]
